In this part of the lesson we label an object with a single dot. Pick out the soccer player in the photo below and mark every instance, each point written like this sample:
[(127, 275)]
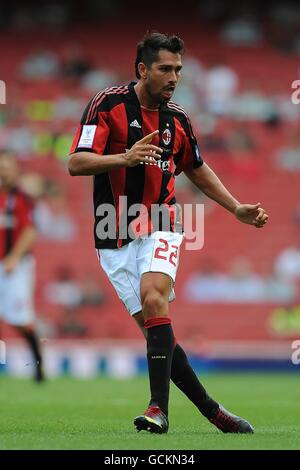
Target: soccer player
[(134, 140), (17, 236)]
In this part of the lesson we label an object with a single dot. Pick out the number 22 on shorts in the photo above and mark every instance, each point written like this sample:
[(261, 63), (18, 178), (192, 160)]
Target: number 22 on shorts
[(164, 252)]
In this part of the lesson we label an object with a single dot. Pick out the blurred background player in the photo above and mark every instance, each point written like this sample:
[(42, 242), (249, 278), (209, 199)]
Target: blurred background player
[(17, 236)]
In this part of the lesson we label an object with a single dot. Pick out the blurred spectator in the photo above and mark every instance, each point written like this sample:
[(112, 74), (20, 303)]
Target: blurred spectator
[(49, 140), (19, 140), (186, 95), (189, 92), (75, 64), (285, 108), (287, 263), (70, 325), (243, 284), (53, 219), (288, 158), (33, 184), (240, 285), (213, 142), (39, 110), (65, 292), (206, 285), (194, 72), (241, 147), (253, 104), (285, 321), (91, 293), (52, 216), (240, 140), (278, 289), (221, 83), (98, 79), (40, 64), (68, 106), (244, 30), (70, 294), (45, 328)]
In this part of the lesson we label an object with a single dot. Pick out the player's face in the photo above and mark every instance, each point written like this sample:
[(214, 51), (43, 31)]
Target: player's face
[(163, 75), (8, 170)]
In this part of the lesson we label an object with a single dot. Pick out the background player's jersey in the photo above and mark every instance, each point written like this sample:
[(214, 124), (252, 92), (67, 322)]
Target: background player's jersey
[(112, 123), (16, 213)]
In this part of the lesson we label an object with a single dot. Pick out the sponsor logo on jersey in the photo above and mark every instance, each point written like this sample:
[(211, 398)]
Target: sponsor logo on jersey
[(164, 165)]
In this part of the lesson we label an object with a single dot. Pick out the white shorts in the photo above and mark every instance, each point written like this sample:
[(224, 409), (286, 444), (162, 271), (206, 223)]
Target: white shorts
[(16, 293), (159, 252)]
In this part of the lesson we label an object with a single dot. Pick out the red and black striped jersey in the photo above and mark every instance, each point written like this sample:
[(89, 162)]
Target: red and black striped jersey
[(16, 213), (112, 123)]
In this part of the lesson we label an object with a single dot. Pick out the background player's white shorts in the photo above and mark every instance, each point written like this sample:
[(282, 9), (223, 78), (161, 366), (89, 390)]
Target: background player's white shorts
[(16, 293), (159, 252)]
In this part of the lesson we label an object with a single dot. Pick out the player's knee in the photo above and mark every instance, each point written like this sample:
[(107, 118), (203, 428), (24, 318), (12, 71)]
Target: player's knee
[(154, 305)]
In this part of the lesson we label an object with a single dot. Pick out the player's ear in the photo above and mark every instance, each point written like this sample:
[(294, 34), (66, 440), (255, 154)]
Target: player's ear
[(142, 70)]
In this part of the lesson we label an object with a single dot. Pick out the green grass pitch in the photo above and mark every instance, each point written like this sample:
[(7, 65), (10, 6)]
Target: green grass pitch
[(97, 414)]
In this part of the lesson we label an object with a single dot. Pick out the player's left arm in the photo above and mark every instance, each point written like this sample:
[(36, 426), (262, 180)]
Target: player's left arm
[(27, 236), (21, 247), (207, 181)]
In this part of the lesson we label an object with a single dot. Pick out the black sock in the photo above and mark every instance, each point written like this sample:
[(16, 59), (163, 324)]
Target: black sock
[(186, 380), (33, 342), (160, 347)]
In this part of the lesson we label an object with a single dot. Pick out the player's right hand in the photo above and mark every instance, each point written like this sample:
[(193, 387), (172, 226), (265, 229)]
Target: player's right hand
[(142, 150), (251, 214)]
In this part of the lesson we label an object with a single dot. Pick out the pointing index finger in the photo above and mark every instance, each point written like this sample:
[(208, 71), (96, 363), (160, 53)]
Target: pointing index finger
[(147, 138)]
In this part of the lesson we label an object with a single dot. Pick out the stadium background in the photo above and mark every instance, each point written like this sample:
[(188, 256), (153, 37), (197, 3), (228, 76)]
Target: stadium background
[(237, 303)]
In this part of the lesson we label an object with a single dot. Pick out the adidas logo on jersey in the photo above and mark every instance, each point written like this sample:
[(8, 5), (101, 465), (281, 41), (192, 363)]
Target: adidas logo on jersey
[(135, 124)]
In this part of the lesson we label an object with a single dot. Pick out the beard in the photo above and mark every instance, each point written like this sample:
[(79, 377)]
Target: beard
[(157, 98)]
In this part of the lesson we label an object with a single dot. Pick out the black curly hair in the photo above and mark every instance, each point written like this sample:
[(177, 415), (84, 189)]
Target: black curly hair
[(149, 47)]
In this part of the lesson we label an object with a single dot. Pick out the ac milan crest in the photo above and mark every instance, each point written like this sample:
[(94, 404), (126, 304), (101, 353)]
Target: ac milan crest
[(166, 136)]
